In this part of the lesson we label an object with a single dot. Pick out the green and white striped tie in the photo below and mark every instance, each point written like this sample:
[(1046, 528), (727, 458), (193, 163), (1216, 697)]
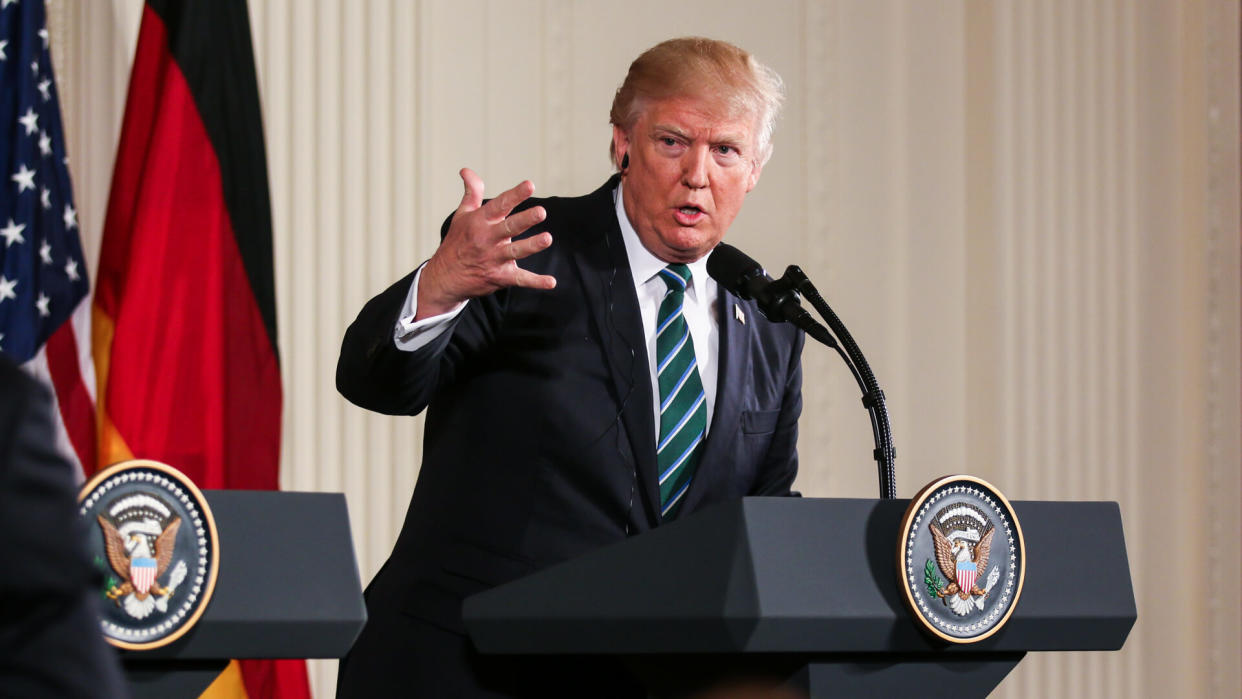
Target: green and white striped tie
[(683, 405)]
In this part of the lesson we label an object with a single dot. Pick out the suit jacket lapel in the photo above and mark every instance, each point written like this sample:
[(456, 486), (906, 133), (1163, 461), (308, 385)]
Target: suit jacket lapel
[(733, 378), (608, 287)]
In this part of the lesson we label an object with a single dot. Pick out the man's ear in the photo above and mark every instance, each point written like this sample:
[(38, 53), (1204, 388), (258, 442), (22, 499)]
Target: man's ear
[(620, 145)]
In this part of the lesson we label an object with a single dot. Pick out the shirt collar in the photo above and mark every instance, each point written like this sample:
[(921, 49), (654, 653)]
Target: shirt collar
[(643, 264)]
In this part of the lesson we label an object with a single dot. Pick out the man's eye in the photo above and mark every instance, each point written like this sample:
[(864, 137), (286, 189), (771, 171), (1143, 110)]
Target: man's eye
[(726, 150), (668, 141)]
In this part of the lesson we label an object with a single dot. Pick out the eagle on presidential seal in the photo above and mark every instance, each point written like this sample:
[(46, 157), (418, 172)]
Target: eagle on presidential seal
[(129, 550), (962, 535)]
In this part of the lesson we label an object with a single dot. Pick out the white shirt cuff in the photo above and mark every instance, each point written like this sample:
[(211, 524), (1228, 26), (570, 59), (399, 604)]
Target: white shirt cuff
[(410, 335)]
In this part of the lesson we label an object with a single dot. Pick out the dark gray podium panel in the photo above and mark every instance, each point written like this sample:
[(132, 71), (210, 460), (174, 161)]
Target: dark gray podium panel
[(925, 675), (171, 679), (806, 577), (288, 585)]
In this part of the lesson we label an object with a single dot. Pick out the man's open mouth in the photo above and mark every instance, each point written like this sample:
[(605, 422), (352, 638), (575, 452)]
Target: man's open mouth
[(688, 215)]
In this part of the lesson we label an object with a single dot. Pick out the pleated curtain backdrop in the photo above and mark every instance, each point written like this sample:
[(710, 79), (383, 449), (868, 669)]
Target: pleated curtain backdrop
[(1027, 214)]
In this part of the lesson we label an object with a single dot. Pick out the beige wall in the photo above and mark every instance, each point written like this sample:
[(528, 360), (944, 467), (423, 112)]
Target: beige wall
[(1026, 212)]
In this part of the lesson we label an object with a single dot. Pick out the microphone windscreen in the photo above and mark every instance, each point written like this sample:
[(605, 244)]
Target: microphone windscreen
[(731, 268)]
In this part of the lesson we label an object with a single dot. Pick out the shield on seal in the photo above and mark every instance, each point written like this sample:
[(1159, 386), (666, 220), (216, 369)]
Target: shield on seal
[(142, 572), (966, 572)]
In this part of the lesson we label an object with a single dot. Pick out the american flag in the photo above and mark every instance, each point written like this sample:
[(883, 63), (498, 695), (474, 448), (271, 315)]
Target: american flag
[(44, 292)]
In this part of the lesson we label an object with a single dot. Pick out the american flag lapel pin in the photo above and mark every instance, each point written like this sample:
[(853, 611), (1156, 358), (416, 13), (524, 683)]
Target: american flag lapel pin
[(737, 313)]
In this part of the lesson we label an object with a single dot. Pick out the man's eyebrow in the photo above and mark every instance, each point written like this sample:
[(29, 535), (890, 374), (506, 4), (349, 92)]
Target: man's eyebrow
[(733, 139), (676, 131)]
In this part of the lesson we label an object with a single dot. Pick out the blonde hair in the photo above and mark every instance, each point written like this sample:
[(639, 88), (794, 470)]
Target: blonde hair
[(697, 67)]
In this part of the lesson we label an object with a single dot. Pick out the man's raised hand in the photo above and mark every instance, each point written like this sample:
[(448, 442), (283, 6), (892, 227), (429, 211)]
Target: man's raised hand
[(478, 254)]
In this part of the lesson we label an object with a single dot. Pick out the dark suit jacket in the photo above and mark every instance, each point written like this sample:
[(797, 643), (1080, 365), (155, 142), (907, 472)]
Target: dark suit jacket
[(50, 641), (540, 440)]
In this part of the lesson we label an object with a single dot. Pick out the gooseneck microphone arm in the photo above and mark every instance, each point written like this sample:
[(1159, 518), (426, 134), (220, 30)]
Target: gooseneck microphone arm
[(873, 398), (778, 301)]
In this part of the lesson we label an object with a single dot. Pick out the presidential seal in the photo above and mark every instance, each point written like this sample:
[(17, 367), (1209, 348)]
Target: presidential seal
[(961, 559), (154, 539)]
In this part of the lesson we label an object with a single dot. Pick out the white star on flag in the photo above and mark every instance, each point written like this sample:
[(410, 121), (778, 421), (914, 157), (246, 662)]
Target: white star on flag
[(7, 287), (12, 233), (46, 198), (30, 120), (43, 36), (7, 3), (34, 67), (71, 269), (45, 252), (24, 179), (3, 56), (45, 143), (44, 89), (71, 217), (43, 304)]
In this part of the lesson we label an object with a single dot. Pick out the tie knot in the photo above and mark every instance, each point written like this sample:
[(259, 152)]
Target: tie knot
[(676, 277)]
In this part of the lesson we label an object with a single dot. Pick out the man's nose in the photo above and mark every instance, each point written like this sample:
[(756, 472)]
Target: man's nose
[(694, 168)]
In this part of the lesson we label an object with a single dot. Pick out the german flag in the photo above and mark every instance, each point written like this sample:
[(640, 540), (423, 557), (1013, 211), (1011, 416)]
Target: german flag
[(185, 309)]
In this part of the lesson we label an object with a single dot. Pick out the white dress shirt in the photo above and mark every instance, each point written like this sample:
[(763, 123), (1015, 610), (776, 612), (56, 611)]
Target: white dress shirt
[(699, 309)]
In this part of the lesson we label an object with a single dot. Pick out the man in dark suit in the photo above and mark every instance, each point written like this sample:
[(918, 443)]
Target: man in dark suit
[(50, 641), (605, 387)]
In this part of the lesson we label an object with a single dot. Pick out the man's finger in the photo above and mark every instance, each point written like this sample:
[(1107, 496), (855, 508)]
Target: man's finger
[(531, 280), (473, 198), (527, 247), (500, 207), (522, 220)]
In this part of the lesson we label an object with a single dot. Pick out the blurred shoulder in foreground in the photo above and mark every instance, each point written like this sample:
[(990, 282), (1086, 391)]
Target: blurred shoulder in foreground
[(50, 642)]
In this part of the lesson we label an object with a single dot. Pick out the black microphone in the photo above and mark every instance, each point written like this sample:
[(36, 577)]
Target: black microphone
[(779, 302)]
